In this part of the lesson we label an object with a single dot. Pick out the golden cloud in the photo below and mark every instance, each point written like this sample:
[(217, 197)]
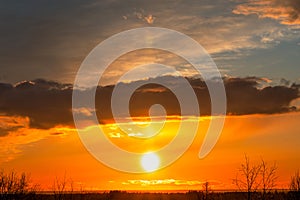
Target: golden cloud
[(287, 12), (167, 182)]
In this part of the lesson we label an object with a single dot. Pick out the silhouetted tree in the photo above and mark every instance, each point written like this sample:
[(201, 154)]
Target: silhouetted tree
[(15, 186), (295, 186), (206, 189), (247, 178), (59, 188), (63, 188), (268, 177), (295, 182)]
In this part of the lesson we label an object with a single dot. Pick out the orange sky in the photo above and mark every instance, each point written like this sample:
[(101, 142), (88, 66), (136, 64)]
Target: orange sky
[(254, 45), (47, 154)]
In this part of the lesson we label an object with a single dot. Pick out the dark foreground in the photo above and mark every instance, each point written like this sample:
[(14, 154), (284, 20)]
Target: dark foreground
[(193, 195)]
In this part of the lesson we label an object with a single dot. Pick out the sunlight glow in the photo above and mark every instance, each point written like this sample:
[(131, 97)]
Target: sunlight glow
[(150, 162)]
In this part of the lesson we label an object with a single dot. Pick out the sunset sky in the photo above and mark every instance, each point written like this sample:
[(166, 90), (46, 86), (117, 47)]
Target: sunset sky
[(254, 43)]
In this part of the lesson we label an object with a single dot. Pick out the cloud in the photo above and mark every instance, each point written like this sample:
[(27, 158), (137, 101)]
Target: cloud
[(145, 58), (174, 182), (150, 19), (12, 124), (83, 111), (245, 98), (296, 103), (287, 11), (56, 133), (162, 182), (16, 133), (46, 104), (141, 15), (42, 51), (14, 143)]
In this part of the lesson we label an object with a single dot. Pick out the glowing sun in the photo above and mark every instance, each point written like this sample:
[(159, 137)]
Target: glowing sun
[(150, 162)]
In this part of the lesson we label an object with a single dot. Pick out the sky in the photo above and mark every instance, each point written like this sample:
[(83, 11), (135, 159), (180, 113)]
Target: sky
[(254, 43)]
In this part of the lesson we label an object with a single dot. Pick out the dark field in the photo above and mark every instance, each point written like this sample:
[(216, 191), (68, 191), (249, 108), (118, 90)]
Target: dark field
[(192, 195)]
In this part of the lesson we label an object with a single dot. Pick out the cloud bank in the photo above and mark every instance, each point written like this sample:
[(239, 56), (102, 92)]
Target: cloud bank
[(47, 104)]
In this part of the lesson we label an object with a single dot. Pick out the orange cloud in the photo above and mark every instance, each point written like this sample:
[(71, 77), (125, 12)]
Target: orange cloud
[(149, 19), (9, 124), (141, 14), (15, 133), (167, 182), (287, 12)]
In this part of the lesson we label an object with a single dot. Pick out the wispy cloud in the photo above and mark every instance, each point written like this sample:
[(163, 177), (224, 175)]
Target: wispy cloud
[(84, 111), (212, 24), (9, 124), (19, 134), (286, 12), (141, 15)]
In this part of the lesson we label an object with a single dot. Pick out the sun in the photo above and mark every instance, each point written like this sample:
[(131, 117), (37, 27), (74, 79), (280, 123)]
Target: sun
[(150, 162)]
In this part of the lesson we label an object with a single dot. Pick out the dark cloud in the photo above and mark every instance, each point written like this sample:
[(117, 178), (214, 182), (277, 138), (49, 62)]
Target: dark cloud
[(11, 124), (294, 13), (48, 104), (6, 130), (56, 133), (245, 98)]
